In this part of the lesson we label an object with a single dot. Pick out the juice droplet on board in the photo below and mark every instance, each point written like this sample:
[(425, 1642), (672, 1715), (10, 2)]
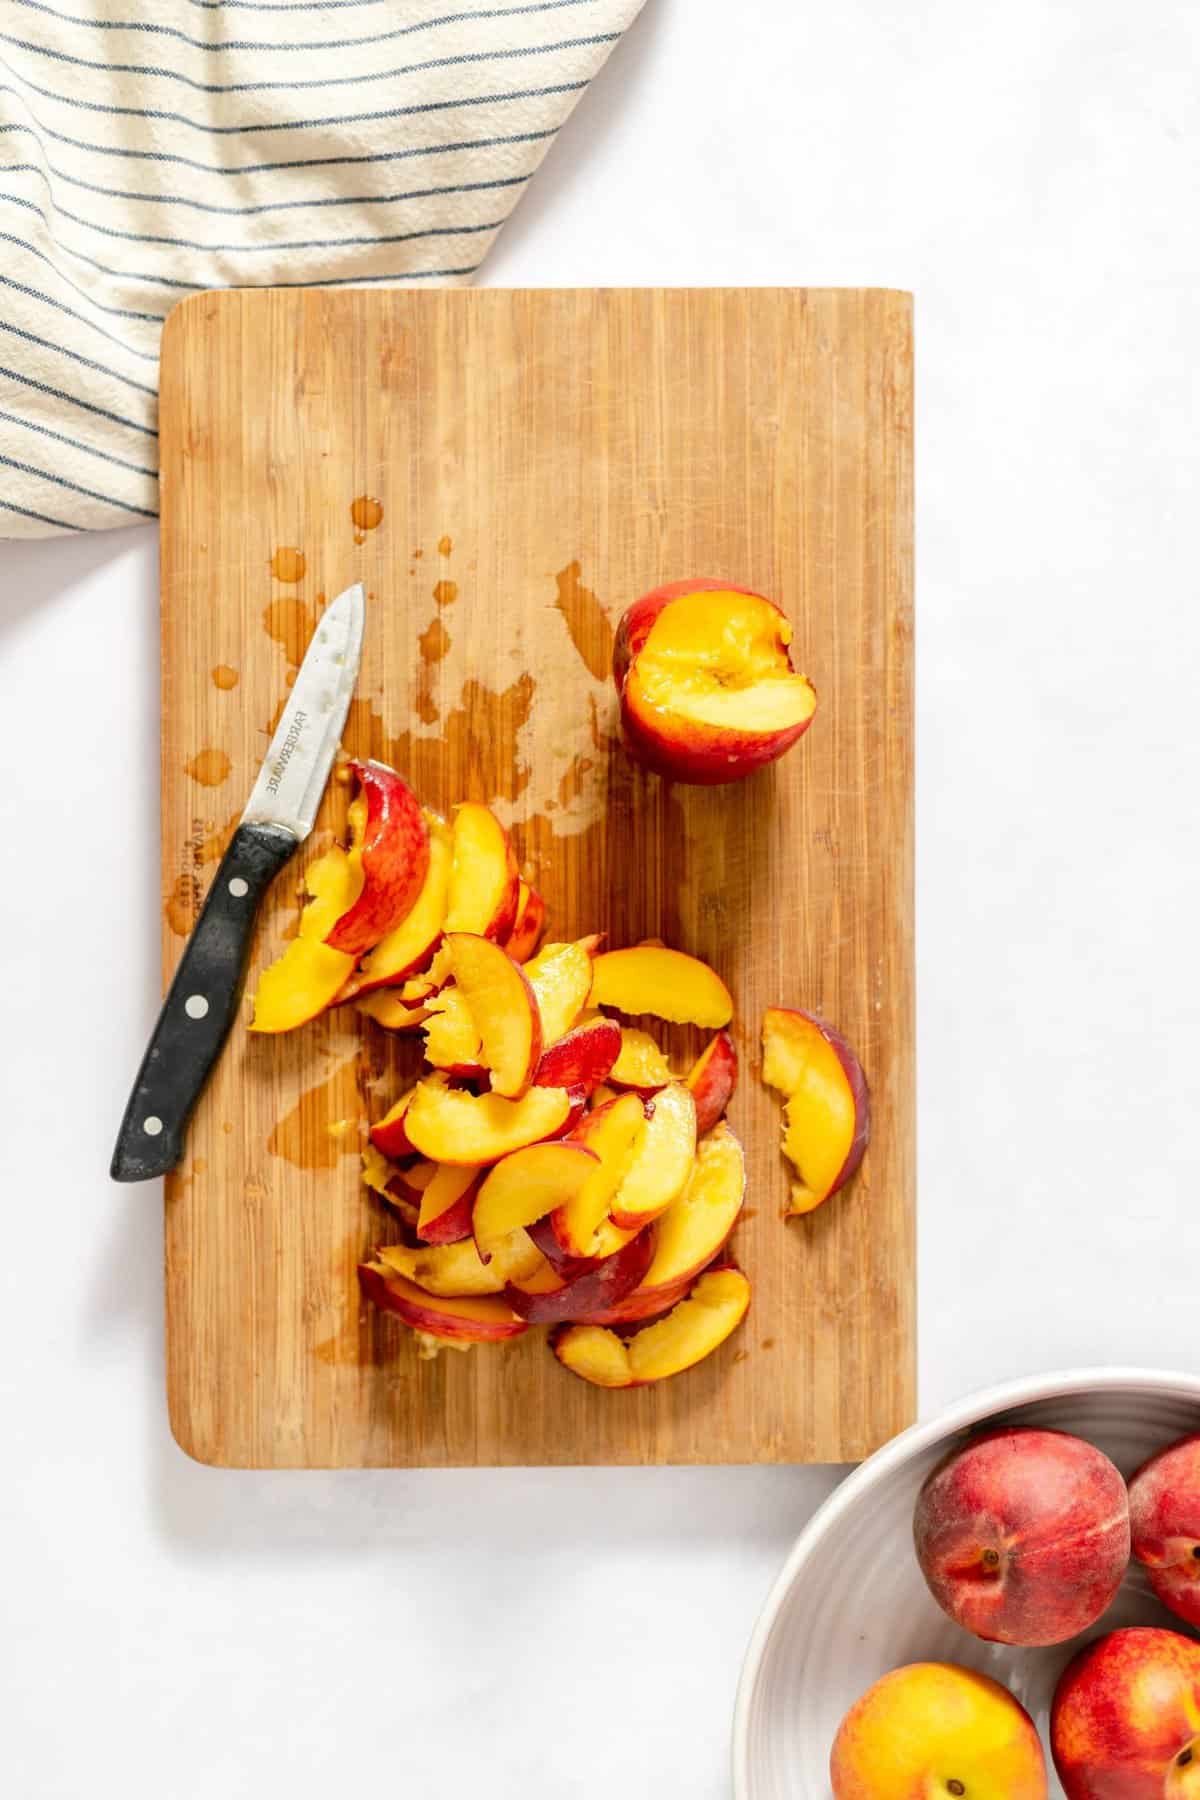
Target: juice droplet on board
[(288, 564), (290, 624), (446, 593), (365, 513), (208, 767), (224, 677), (444, 546)]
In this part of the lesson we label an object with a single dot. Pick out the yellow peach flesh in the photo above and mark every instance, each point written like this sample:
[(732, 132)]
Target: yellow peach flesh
[(819, 1112), (720, 659)]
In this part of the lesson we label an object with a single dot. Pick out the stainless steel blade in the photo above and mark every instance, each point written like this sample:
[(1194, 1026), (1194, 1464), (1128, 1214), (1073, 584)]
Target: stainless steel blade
[(293, 776)]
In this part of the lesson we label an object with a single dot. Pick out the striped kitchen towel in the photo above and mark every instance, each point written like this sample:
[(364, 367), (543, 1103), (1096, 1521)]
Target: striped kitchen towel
[(150, 148)]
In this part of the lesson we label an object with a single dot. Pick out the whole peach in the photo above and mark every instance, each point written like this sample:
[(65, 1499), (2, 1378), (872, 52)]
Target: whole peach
[(935, 1729), (1164, 1513), (1023, 1535), (1126, 1718)]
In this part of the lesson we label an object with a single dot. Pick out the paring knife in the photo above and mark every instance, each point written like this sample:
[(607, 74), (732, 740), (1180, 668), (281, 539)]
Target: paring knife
[(203, 999)]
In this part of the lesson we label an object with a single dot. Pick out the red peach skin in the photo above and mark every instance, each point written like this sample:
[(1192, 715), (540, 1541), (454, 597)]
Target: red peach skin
[(1125, 1724), (590, 1287), (394, 855), (1023, 1535), (712, 1079), (1164, 1513)]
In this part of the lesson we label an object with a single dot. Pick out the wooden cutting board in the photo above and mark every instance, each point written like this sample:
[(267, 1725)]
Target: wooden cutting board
[(505, 472)]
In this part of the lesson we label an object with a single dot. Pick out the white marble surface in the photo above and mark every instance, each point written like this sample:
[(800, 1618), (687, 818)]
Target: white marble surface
[(1032, 173)]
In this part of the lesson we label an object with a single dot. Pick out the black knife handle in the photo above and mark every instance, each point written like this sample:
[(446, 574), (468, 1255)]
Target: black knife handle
[(200, 1006)]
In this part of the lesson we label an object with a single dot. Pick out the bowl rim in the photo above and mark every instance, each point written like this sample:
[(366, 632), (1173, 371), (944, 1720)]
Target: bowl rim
[(970, 1410)]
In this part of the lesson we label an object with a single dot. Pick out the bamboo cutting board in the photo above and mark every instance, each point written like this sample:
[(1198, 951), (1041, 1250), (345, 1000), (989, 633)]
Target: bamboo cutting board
[(505, 472)]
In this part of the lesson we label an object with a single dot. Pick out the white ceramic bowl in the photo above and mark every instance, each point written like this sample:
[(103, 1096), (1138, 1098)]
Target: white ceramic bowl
[(851, 1603)]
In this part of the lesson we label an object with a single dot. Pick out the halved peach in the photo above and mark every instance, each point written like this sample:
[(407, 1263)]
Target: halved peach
[(522, 940), (659, 1171), (712, 1079), (648, 978), (448, 1203), (561, 978), (471, 1319), (452, 1125), (641, 1064), (615, 1133), (705, 680), (389, 1133), (692, 1330), (387, 1009), (501, 1002), (484, 883), (388, 858), (551, 1296), (828, 1112), (309, 976), (523, 1187), (409, 945), (583, 1057), (452, 1040), (455, 1269), (697, 1225)]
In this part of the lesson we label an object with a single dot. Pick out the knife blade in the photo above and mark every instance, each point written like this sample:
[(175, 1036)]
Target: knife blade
[(203, 999)]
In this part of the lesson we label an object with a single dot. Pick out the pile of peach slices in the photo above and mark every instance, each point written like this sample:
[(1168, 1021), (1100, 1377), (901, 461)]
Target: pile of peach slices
[(548, 1167)]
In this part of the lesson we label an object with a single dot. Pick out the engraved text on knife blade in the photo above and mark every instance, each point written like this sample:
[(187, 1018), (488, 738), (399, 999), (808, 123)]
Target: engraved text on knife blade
[(287, 750)]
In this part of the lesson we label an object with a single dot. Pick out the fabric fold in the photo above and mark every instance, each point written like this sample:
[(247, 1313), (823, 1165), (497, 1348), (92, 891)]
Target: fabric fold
[(150, 151)]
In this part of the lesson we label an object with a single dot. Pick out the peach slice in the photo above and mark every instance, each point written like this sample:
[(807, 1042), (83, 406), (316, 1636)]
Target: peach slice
[(523, 1187), (501, 1002), (551, 1296), (607, 1241), (828, 1111), (452, 1040), (692, 1330), (470, 1319), (615, 1133), (392, 1185), (309, 976), (712, 1079), (697, 1226), (648, 978), (641, 1064), (408, 946), (448, 1203), (389, 1134), (484, 883), (639, 1306), (455, 1270), (522, 940), (583, 1057), (388, 858), (386, 1007), (453, 1126), (705, 681), (664, 1160), (561, 978)]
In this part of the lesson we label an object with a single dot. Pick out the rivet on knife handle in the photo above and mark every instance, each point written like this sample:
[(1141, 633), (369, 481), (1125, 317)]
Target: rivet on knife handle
[(200, 1007)]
